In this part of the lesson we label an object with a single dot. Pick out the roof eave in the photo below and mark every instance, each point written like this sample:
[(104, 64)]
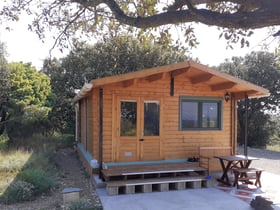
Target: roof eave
[(250, 89), (87, 87)]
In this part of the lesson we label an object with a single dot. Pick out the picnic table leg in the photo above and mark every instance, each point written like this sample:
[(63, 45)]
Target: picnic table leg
[(258, 178), (224, 179), (236, 175), (245, 164)]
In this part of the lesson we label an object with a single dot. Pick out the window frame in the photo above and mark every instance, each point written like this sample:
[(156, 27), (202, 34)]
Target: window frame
[(200, 101)]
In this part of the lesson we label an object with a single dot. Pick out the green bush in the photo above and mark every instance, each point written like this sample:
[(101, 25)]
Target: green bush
[(81, 205), (4, 138), (42, 181), (65, 140), (18, 191), (40, 161)]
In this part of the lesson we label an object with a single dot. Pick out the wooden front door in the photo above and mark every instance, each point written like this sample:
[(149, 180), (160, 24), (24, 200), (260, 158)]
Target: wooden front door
[(138, 129)]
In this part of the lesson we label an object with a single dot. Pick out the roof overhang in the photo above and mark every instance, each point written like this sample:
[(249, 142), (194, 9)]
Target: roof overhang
[(195, 72)]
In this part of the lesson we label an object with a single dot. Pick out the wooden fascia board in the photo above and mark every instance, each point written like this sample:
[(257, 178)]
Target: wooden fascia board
[(248, 85), (201, 78), (222, 86), (250, 94), (178, 72), (178, 69), (139, 74), (83, 92)]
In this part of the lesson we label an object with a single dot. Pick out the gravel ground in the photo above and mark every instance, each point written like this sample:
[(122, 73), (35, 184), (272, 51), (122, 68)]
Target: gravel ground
[(268, 160)]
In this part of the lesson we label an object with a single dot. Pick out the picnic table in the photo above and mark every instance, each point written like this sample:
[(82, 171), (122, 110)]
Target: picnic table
[(228, 162)]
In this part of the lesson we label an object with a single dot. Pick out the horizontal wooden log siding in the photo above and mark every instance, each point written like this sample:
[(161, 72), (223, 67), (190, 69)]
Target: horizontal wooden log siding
[(175, 144), (83, 122), (86, 112), (89, 124), (95, 130)]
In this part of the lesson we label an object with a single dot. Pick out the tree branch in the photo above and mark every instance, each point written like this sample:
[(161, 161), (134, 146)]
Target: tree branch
[(228, 14), (64, 32), (246, 20)]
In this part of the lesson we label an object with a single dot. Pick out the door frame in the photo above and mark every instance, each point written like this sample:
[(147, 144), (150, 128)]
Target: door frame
[(140, 99)]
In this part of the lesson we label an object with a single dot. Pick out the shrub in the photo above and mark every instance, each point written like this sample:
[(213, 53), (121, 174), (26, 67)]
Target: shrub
[(39, 161), (42, 181), (4, 141), (65, 140), (18, 191), (81, 205)]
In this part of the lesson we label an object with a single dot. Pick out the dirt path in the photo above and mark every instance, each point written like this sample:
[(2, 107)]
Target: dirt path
[(71, 174)]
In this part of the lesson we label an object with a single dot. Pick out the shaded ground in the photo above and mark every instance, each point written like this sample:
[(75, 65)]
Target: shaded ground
[(71, 174)]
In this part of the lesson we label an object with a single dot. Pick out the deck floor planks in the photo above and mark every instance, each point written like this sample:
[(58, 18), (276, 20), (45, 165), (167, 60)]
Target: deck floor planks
[(152, 169)]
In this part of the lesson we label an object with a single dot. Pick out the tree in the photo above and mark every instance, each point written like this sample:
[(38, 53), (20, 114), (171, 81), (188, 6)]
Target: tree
[(3, 53), (28, 86), (4, 87), (236, 17), (26, 109), (109, 57), (260, 68)]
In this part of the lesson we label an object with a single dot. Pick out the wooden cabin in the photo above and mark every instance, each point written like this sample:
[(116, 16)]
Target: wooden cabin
[(163, 114)]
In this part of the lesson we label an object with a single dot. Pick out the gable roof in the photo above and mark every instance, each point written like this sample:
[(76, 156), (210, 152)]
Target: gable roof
[(195, 72)]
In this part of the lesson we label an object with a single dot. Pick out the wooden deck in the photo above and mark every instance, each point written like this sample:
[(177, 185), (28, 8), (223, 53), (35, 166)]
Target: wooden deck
[(132, 179)]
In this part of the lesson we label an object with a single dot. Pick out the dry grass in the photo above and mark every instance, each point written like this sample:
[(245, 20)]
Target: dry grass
[(11, 164), (275, 147)]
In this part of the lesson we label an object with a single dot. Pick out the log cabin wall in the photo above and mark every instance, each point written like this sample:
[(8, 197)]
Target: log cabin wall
[(89, 122), (83, 124), (175, 144), (86, 123), (95, 128)]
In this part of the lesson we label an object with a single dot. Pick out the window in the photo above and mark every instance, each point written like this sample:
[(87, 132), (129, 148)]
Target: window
[(128, 118), (200, 113), (151, 118)]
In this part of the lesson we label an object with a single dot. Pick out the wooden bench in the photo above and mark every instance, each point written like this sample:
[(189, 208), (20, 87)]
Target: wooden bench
[(247, 174), (154, 185), (207, 157)]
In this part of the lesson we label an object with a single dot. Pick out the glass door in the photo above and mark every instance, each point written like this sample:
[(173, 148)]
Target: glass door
[(138, 129), (150, 123)]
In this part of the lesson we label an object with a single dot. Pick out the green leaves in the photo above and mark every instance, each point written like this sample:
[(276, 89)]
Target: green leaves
[(25, 111), (260, 68), (234, 36), (28, 86), (80, 19), (112, 56)]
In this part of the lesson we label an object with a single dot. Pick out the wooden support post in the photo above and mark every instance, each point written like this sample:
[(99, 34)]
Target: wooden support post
[(100, 149), (246, 127), (172, 85)]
